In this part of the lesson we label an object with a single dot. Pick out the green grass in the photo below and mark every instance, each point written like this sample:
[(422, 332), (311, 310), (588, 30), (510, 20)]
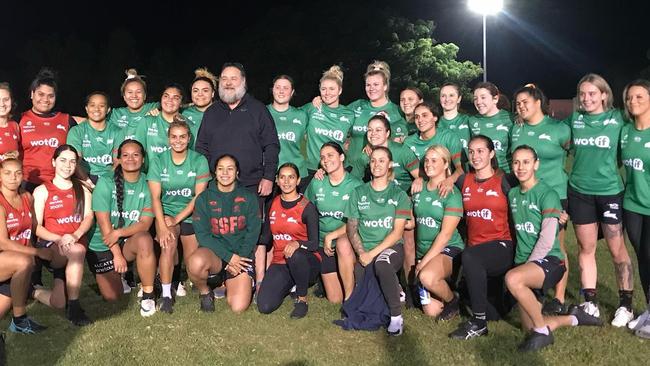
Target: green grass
[(121, 337)]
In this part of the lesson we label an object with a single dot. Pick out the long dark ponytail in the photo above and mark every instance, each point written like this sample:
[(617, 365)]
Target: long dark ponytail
[(77, 178), (118, 176)]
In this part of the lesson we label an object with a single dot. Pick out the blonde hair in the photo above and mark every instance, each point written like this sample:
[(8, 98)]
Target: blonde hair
[(202, 73), (602, 85), (444, 154), (335, 74), (132, 76), (379, 68)]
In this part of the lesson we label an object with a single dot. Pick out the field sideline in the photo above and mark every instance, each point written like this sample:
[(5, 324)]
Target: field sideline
[(121, 337)]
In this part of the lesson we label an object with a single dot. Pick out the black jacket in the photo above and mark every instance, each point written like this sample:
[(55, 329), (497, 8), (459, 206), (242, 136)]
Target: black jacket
[(246, 132)]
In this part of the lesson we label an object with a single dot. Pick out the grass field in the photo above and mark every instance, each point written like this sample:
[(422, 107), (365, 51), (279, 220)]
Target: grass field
[(121, 337)]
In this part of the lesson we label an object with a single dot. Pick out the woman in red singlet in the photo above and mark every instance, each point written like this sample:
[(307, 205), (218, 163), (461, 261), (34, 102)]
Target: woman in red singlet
[(9, 131), (64, 215)]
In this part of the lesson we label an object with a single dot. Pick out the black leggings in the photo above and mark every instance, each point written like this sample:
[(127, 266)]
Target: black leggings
[(301, 270), (387, 264), (480, 261), (638, 230)]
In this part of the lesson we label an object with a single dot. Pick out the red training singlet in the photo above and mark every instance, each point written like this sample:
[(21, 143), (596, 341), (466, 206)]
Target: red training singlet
[(19, 221), (40, 136), (9, 138), (286, 226), (58, 214), (486, 209)]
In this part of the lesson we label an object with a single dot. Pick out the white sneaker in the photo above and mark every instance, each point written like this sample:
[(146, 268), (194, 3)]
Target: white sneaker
[(180, 290), (643, 329), (402, 297), (147, 307), (590, 308), (622, 317), (219, 292), (125, 286), (140, 292), (638, 322), (396, 326)]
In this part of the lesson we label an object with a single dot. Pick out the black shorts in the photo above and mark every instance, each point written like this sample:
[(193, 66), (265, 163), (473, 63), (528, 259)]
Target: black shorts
[(5, 288), (57, 273), (100, 262), (328, 264), (217, 279), (186, 229), (451, 251), (588, 209), (553, 268)]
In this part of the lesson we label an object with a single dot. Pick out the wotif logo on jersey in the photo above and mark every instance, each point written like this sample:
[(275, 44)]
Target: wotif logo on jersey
[(484, 214), (527, 227), (133, 215), (385, 223), (335, 134), (636, 164), (103, 159), (159, 149), (598, 141), (26, 234), (363, 129), (185, 192), (69, 219), (427, 221), (287, 136), (335, 214), (286, 237), (51, 142)]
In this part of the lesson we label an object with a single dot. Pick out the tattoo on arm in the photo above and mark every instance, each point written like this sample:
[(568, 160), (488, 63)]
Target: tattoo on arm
[(612, 231), (624, 275), (353, 235)]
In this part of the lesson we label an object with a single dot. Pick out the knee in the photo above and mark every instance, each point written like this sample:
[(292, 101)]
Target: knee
[(513, 280), (382, 267), (112, 297), (24, 262), (239, 307), (77, 251), (195, 264), (335, 298), (264, 306), (426, 276), (297, 257)]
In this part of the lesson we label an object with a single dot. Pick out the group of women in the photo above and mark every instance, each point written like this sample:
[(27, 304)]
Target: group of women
[(411, 189)]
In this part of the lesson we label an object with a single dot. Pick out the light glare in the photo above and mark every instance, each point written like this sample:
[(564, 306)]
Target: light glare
[(485, 7)]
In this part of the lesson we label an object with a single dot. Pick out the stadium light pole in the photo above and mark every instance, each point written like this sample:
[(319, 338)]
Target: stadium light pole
[(485, 8)]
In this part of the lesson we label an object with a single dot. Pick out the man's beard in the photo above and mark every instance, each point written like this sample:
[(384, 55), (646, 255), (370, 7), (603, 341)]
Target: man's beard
[(229, 96)]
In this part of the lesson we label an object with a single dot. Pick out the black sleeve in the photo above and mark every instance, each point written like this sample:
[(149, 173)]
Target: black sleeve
[(460, 181), (508, 182), (310, 218), (71, 122), (270, 144)]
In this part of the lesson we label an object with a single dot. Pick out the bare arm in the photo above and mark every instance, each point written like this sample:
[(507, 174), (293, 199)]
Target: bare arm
[(352, 229), (88, 219), (187, 211), (40, 196)]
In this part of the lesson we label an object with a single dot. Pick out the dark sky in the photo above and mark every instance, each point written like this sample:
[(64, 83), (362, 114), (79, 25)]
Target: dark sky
[(550, 42)]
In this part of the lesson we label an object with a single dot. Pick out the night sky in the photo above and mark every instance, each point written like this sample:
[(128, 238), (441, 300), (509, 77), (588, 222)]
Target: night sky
[(550, 42)]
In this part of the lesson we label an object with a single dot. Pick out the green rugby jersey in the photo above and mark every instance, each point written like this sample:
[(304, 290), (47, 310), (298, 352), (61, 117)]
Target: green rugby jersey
[(292, 127), (528, 210), (97, 148), (429, 210), (328, 124), (446, 138), (404, 160), (193, 117), (126, 120), (363, 111), (635, 153), (377, 211), (497, 128), (551, 140), (459, 125)]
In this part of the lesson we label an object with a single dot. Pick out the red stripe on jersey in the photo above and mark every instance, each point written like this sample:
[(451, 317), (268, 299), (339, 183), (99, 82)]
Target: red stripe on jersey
[(40, 136), (453, 209), (414, 162), (403, 212), (486, 209), (286, 226), (203, 176), (551, 210), (19, 221), (59, 211)]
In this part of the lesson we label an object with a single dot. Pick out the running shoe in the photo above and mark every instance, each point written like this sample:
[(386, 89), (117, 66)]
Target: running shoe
[(584, 318), (468, 330), (180, 290), (77, 316), (396, 326), (292, 293), (622, 317), (300, 309), (590, 308), (638, 322), (140, 292), (207, 302), (450, 310), (147, 307), (536, 341), (319, 289), (125, 286), (643, 330), (219, 292), (554, 307), (26, 325), (166, 305)]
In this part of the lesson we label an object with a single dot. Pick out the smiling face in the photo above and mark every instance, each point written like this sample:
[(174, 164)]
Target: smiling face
[(377, 133), (592, 99), (408, 99), (171, 99), (43, 99), (637, 101), (330, 159), (11, 175), (5, 103), (376, 88), (202, 93), (287, 179), (330, 92), (524, 165), (226, 172), (480, 155), (425, 121), (449, 98), (97, 108), (435, 164), (527, 107), (65, 164), (134, 95), (282, 91), (232, 85), (380, 163), (179, 139), (131, 157), (485, 103)]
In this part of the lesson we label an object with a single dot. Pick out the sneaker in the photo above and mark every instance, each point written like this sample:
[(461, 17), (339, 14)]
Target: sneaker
[(125, 286), (77, 316), (590, 308), (450, 310), (402, 295), (319, 289), (554, 307), (207, 302), (25, 326), (643, 330), (536, 341), (292, 293), (622, 317), (585, 318), (468, 330), (166, 305), (219, 292), (638, 322), (300, 309), (180, 290), (147, 307), (396, 326), (140, 292)]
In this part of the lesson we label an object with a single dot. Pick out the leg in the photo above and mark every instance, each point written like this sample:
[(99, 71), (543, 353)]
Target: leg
[(74, 270), (560, 288), (168, 257), (5, 305), (409, 256), (432, 277), (110, 285), (300, 268), (330, 278), (587, 237), (622, 262), (260, 264), (346, 258), (140, 247), (520, 281), (275, 288), (387, 264), (18, 267), (190, 244), (239, 291), (200, 264)]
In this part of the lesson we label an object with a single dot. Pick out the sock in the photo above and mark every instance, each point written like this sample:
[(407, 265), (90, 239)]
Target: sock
[(167, 290), (589, 294), (18, 319), (574, 320), (479, 319), (147, 295), (176, 274), (73, 304), (395, 323), (625, 298), (542, 330)]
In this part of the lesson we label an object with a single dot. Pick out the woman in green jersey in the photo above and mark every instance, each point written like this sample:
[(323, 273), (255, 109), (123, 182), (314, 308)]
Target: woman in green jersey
[(452, 119), (123, 215), (376, 216), (492, 122), (134, 93), (539, 262), (152, 132), (175, 178), (202, 94), (595, 192), (438, 242), (95, 140), (291, 124), (635, 153), (227, 224), (408, 99), (551, 140), (330, 195)]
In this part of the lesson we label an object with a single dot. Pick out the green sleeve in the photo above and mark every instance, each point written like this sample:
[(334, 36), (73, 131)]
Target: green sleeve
[(551, 206), (202, 170), (351, 208), (202, 228), (454, 204), (147, 107), (74, 137), (141, 132), (154, 169), (408, 159), (456, 147), (307, 108), (403, 209), (309, 192), (253, 228), (147, 208), (101, 198)]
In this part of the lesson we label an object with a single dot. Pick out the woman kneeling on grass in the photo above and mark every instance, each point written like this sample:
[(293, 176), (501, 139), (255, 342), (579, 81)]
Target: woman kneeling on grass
[(64, 215), (16, 253), (535, 209), (296, 262), (227, 224), (438, 243), (377, 214), (123, 212)]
